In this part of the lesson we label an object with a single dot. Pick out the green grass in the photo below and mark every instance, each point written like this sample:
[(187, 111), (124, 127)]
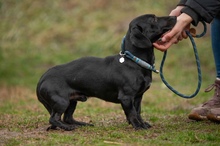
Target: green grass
[(24, 121), (35, 35)]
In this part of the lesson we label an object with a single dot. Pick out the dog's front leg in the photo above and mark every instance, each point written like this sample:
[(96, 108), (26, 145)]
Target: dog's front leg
[(137, 105), (131, 113)]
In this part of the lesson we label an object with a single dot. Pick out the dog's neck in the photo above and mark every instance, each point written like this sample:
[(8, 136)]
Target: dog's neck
[(145, 54), (140, 56)]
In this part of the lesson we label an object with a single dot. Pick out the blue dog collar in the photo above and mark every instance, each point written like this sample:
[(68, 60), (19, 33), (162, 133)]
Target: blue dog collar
[(134, 58)]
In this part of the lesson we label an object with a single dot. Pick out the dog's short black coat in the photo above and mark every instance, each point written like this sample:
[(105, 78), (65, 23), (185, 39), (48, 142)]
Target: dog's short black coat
[(62, 86)]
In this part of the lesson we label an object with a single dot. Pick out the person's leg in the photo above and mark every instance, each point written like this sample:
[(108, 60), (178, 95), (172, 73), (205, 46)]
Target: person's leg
[(215, 35), (214, 114), (211, 108)]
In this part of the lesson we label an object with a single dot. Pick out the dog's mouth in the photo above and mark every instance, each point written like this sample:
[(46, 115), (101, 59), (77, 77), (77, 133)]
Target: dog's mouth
[(171, 23), (159, 37)]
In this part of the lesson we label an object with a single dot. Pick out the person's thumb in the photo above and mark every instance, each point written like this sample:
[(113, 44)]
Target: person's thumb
[(168, 36)]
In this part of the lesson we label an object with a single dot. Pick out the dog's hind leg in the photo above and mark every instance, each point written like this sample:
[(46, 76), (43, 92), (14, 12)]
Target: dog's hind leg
[(68, 115), (41, 98), (55, 121), (47, 106), (58, 108)]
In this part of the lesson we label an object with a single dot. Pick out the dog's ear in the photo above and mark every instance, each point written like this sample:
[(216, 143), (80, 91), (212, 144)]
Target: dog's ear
[(138, 39)]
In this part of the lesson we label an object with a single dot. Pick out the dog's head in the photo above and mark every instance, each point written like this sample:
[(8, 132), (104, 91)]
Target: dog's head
[(146, 29)]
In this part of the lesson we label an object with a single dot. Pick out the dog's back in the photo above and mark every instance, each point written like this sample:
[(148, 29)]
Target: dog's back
[(92, 76)]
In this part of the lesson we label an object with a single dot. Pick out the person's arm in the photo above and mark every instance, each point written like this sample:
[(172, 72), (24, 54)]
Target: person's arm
[(205, 10)]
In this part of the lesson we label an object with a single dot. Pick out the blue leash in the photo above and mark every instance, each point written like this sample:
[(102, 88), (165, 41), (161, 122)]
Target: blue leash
[(197, 62)]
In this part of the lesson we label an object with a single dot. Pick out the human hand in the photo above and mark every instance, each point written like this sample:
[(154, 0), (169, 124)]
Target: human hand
[(177, 12), (176, 34)]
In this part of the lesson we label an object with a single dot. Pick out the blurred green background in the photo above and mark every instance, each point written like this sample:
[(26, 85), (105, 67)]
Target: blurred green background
[(35, 35)]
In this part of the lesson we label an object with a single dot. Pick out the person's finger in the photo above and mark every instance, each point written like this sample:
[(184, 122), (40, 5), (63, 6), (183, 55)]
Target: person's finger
[(180, 38), (167, 37), (176, 42), (170, 35), (184, 35), (162, 46), (188, 27)]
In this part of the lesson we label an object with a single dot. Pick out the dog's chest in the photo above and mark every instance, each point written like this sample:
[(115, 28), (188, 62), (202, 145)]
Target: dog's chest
[(145, 85)]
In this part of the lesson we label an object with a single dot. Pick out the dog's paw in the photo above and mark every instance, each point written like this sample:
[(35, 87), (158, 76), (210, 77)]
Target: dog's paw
[(63, 127), (68, 128), (82, 123), (142, 126), (71, 121), (52, 127), (146, 125)]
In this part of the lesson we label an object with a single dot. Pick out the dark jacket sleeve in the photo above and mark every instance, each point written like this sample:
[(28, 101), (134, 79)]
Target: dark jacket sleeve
[(182, 3), (205, 10)]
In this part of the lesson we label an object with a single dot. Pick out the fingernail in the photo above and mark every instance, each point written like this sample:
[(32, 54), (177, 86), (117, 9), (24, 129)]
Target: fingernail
[(163, 39)]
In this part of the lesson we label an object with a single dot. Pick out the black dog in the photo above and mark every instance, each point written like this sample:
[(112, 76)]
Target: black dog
[(109, 79)]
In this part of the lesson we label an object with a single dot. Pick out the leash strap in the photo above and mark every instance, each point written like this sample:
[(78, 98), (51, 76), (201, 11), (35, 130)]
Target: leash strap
[(197, 62)]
